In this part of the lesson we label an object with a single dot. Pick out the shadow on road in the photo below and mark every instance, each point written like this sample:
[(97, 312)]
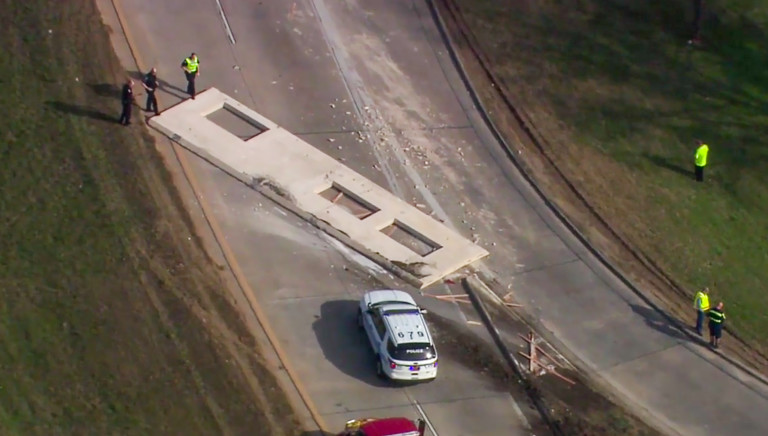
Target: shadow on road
[(343, 344), (81, 111), (658, 322), (164, 86)]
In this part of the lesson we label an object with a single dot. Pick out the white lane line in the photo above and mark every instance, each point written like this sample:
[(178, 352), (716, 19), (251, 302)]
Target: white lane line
[(228, 29), (424, 416)]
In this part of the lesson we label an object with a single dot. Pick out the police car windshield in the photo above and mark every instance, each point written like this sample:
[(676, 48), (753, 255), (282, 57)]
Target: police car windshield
[(413, 351)]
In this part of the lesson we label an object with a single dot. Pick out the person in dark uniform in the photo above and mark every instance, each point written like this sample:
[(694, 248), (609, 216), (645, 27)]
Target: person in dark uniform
[(127, 100), (191, 67), (150, 84), (716, 320)]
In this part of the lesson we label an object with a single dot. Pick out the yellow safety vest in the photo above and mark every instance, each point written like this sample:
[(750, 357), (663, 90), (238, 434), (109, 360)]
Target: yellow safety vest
[(701, 155), (192, 67), (704, 301)]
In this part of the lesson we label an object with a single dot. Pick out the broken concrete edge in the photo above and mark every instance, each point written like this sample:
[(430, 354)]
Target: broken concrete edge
[(646, 297), (470, 285), (483, 284), (264, 182), (413, 268)]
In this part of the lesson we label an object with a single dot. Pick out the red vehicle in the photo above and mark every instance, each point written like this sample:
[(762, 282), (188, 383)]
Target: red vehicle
[(384, 427)]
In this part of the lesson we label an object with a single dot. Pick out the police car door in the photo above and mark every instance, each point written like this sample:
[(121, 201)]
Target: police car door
[(370, 328), (378, 330)]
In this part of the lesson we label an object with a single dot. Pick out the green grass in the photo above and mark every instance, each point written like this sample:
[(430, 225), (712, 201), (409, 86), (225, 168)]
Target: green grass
[(101, 306), (622, 98)]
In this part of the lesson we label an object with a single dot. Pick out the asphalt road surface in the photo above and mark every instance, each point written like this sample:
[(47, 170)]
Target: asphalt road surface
[(308, 284), (374, 77)]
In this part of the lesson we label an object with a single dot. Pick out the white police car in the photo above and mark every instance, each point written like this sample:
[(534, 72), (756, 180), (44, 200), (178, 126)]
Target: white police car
[(398, 334)]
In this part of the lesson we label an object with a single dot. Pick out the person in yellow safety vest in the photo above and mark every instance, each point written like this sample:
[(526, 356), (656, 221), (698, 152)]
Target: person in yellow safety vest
[(702, 151), (191, 67), (716, 320), (701, 304)]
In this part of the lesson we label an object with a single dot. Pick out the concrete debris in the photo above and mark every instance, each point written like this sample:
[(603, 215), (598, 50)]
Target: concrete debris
[(333, 106), (331, 140)]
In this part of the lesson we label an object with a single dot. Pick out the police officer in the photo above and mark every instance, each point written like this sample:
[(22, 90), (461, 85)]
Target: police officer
[(150, 84), (716, 320), (191, 67), (127, 101), (702, 151), (701, 304)]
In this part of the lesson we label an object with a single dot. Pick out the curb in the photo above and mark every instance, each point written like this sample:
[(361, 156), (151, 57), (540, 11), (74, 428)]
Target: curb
[(448, 40), (513, 363)]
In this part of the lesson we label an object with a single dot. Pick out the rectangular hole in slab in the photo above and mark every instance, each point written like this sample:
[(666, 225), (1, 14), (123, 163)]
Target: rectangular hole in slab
[(236, 123), (410, 238), (348, 201)]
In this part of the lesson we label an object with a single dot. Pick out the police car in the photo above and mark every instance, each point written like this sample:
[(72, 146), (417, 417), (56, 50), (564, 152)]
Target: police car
[(398, 334)]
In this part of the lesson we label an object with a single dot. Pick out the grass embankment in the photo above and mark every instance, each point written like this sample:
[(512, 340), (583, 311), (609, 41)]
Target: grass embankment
[(621, 98), (110, 320)]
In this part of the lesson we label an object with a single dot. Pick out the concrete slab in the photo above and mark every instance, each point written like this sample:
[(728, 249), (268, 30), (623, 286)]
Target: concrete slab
[(299, 172)]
